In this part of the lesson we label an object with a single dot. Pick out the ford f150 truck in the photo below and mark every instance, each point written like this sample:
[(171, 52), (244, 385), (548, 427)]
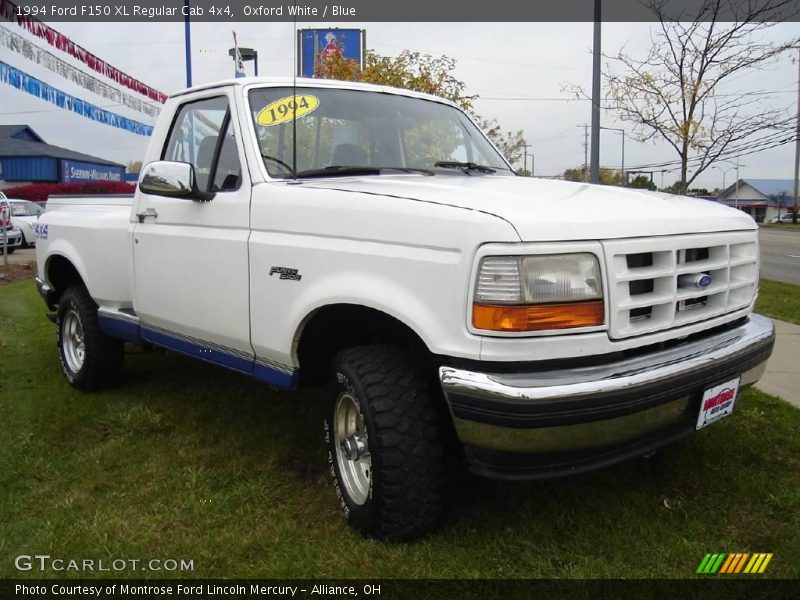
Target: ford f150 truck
[(310, 232)]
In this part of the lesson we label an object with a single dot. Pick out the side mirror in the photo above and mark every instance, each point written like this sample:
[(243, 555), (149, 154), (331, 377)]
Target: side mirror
[(173, 180)]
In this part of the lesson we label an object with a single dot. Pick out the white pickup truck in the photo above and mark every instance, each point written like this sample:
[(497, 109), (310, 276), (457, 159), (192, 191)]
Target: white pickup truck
[(546, 328)]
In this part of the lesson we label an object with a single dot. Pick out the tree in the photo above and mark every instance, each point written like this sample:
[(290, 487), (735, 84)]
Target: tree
[(134, 166), (642, 182), (698, 192), (672, 95), (423, 73), (607, 176)]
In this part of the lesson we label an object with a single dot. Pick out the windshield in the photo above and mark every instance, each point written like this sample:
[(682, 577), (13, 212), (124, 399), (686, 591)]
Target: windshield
[(341, 129), (24, 209)]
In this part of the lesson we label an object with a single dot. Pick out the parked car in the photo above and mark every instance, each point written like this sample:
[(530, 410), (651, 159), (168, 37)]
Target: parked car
[(13, 235), (24, 215), (374, 241), (784, 218)]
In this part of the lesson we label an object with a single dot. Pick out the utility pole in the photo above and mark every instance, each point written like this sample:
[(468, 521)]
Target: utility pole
[(622, 168), (797, 147), (736, 201), (595, 164), (585, 150), (525, 156)]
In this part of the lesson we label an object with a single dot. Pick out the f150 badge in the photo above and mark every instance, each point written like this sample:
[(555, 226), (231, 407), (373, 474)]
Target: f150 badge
[(285, 273)]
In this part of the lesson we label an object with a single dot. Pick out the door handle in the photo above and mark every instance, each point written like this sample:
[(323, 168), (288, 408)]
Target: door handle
[(149, 212)]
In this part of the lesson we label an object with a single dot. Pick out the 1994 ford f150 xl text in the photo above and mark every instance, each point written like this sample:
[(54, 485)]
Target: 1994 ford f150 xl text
[(549, 327)]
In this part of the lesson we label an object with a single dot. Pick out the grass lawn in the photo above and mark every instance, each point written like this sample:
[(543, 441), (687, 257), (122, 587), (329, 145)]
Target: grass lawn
[(189, 461), (779, 300)]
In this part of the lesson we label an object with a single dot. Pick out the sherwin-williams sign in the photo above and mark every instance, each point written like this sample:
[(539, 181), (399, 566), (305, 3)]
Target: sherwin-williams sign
[(75, 171)]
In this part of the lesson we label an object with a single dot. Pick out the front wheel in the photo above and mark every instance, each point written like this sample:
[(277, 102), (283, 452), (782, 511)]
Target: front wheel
[(384, 444), (90, 360)]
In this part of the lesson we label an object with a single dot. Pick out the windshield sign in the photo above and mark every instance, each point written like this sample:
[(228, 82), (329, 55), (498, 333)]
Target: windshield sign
[(347, 132)]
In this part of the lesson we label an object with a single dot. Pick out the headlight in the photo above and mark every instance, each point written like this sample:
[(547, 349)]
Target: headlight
[(534, 293)]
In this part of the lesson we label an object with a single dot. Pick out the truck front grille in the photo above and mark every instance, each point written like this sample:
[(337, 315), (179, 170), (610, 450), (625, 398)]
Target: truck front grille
[(653, 282)]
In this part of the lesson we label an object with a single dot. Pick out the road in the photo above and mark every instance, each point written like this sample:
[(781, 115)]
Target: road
[(780, 255)]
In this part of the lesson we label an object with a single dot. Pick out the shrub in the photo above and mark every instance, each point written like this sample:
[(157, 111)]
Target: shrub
[(39, 192)]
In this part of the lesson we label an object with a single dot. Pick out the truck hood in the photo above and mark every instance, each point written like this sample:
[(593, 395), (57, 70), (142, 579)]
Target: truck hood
[(550, 210)]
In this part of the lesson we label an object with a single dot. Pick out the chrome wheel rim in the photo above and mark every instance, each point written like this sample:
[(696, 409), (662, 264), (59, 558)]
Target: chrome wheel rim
[(352, 449), (73, 343)]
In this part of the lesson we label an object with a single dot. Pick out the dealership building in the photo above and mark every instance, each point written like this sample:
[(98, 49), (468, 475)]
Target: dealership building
[(762, 199), (26, 158)]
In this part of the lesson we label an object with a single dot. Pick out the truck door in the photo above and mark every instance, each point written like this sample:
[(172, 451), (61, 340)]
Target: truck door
[(190, 257)]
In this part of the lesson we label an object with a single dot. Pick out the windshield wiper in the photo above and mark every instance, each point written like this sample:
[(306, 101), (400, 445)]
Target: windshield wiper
[(334, 170), (339, 170), (464, 166)]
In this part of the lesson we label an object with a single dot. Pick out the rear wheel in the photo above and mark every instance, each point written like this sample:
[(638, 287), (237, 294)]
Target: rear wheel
[(90, 360), (384, 444)]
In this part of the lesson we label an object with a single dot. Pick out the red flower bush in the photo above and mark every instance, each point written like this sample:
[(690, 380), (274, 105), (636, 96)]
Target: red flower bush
[(39, 192)]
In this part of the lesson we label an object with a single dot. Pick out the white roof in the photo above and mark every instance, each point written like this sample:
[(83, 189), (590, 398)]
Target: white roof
[(307, 82)]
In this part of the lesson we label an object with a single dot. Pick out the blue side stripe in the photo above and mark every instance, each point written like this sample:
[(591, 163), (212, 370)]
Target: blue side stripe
[(229, 361), (279, 379), (119, 329), (130, 332)]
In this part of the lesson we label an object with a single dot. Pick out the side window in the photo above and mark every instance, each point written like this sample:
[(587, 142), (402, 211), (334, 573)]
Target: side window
[(195, 138)]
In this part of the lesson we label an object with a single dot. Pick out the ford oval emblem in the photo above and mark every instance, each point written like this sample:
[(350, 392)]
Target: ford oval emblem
[(704, 280)]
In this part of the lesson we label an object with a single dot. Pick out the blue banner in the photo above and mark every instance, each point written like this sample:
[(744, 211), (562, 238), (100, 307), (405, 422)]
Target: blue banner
[(74, 171), (318, 44), (35, 87)]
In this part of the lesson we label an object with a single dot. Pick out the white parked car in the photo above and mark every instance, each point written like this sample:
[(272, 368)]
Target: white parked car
[(546, 328), (11, 233), (24, 215)]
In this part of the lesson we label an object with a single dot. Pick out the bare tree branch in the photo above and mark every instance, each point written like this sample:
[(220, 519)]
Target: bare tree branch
[(671, 93)]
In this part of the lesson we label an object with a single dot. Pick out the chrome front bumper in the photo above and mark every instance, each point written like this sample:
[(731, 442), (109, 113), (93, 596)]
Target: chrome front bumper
[(565, 420)]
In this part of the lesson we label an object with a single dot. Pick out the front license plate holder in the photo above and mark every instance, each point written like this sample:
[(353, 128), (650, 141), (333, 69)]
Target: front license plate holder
[(717, 402)]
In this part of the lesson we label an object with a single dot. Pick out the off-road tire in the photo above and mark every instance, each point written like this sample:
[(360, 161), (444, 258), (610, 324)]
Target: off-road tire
[(406, 449), (102, 363)]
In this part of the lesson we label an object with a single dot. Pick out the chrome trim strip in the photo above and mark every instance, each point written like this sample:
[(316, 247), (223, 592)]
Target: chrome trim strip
[(612, 378), (120, 316), (260, 360), (265, 362)]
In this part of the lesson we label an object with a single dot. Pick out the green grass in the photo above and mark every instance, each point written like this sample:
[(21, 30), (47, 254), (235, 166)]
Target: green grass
[(189, 461), (779, 300)]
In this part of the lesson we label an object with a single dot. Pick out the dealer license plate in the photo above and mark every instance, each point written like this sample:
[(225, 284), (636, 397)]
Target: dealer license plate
[(717, 402)]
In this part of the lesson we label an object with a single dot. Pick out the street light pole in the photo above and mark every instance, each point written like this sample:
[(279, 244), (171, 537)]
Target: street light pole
[(724, 173), (594, 167), (187, 34)]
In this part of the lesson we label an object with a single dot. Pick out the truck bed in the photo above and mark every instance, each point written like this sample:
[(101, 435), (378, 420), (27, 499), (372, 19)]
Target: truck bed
[(92, 232)]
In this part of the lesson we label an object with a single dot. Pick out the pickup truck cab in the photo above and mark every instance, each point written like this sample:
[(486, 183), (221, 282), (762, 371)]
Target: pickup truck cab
[(372, 239)]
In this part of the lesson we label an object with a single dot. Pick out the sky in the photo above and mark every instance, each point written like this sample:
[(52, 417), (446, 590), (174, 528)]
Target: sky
[(518, 70)]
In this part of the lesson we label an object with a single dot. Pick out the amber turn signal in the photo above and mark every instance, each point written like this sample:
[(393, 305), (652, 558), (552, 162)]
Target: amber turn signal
[(539, 317)]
